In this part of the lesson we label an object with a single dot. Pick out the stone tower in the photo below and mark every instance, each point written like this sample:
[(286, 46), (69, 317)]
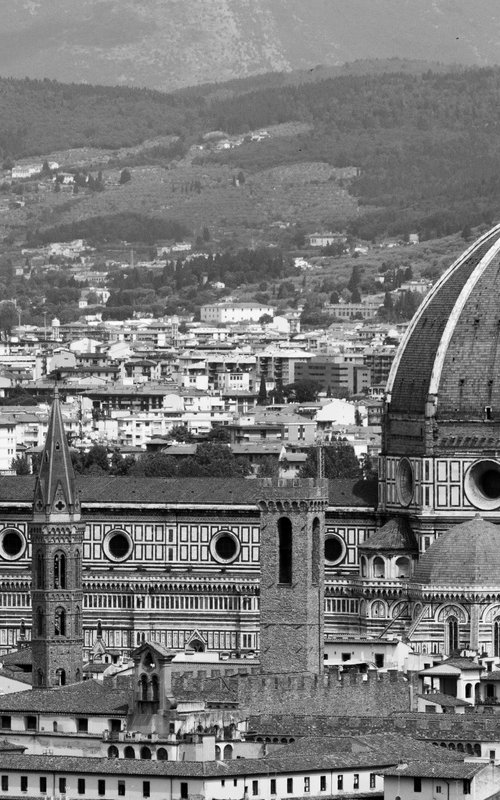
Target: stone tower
[(292, 575), (57, 542)]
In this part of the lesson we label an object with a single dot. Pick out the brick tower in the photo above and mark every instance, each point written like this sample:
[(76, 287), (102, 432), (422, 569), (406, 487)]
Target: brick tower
[(292, 575), (56, 539)]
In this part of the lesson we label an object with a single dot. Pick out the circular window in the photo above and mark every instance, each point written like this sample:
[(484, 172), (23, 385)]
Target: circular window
[(482, 484), (404, 482), (334, 549), (12, 544), (225, 547), (117, 545)]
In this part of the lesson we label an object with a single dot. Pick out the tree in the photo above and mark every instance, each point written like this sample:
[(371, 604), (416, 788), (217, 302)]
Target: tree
[(219, 434), (156, 465), (217, 461), (97, 456), (20, 465), (125, 176), (8, 318), (305, 391), (355, 295), (269, 468), (262, 396), (206, 234), (355, 278), (339, 461), (121, 465), (180, 433)]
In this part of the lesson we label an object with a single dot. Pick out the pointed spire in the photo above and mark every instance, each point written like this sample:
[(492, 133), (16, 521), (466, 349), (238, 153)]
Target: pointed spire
[(55, 489)]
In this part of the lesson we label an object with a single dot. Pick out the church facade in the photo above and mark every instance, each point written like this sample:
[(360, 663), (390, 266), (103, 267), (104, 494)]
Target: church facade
[(180, 562)]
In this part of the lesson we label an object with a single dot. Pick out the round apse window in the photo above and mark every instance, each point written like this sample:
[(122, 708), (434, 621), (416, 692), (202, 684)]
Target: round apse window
[(404, 482), (482, 484), (225, 547), (334, 550), (117, 545), (12, 544)]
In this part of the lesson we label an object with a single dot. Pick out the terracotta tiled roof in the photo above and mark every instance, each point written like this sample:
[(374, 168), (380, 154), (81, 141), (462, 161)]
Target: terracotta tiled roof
[(171, 491), (412, 379), (423, 769), (466, 555), (90, 698), (396, 534), (445, 700)]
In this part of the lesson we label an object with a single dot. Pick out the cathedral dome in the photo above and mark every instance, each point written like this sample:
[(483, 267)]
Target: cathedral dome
[(448, 364), (468, 555)]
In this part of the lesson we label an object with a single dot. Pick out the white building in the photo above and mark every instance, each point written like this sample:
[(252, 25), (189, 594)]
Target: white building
[(235, 312)]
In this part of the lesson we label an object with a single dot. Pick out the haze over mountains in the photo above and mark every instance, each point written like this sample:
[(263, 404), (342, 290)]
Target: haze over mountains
[(166, 44)]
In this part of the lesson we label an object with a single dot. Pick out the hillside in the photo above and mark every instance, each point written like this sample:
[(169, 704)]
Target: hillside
[(165, 44), (424, 149)]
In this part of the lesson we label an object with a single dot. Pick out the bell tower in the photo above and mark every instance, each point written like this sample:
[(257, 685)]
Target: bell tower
[(292, 575), (56, 534)]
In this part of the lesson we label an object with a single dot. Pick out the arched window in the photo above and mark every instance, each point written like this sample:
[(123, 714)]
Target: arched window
[(402, 568), (143, 687), (378, 567), (112, 751), (161, 754), (78, 617), (40, 622), (60, 622), (40, 571), (378, 609), (285, 550), (316, 530), (451, 634), (468, 689), (155, 689), (78, 569), (496, 637), (129, 752), (54, 727), (364, 570), (59, 571), (228, 752), (39, 673), (217, 752), (145, 753), (60, 677)]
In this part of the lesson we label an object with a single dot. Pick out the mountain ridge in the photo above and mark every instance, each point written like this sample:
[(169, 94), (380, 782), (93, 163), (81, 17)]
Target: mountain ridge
[(168, 44)]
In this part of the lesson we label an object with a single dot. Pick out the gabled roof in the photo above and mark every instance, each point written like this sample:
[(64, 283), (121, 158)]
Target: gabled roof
[(396, 534), (452, 666)]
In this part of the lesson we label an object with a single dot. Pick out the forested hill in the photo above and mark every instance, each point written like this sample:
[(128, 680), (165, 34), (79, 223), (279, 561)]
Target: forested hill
[(427, 145)]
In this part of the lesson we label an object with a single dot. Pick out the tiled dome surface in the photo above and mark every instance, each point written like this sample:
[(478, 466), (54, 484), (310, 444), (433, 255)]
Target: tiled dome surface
[(455, 336), (466, 555)]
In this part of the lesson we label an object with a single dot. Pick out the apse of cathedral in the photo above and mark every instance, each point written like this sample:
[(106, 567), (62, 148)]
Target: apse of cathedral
[(178, 561)]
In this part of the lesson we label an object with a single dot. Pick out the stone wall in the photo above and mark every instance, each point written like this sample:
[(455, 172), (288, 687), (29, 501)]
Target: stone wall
[(335, 693)]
